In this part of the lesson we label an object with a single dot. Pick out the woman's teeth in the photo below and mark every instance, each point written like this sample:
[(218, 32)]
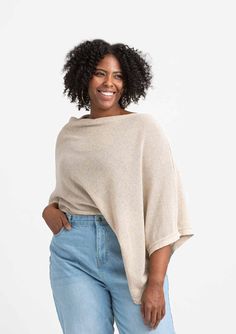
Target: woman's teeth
[(106, 93)]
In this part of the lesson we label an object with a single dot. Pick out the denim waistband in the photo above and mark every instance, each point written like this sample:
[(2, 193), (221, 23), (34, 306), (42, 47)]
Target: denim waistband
[(86, 219)]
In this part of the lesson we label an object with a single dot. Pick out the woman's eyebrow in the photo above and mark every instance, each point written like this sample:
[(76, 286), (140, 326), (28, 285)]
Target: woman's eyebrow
[(100, 69)]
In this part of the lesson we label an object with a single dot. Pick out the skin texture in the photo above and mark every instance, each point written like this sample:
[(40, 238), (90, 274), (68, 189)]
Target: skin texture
[(108, 77)]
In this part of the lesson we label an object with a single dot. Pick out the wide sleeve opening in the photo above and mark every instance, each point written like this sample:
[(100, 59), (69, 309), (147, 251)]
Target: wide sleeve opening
[(175, 240)]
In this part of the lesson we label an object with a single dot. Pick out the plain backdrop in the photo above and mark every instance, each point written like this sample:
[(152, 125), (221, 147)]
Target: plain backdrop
[(191, 47)]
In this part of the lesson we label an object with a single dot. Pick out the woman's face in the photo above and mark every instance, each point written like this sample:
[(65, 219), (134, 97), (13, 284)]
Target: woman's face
[(106, 86)]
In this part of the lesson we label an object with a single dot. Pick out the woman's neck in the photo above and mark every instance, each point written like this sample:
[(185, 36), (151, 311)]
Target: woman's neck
[(104, 113)]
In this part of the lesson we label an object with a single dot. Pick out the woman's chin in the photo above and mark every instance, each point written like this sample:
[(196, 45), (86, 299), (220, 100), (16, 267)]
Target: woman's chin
[(105, 105)]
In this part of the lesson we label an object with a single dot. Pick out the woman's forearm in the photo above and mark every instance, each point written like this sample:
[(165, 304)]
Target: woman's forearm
[(158, 263)]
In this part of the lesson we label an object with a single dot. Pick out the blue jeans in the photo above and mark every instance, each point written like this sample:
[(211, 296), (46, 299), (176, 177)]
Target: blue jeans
[(89, 283)]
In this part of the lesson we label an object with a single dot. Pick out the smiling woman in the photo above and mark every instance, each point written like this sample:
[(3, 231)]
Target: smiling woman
[(105, 78), (106, 87), (117, 212)]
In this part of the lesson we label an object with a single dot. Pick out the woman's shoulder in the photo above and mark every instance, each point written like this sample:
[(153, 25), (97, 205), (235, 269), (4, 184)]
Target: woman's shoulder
[(64, 129), (150, 122), (153, 130)]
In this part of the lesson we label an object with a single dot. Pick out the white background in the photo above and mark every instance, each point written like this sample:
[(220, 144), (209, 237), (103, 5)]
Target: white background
[(191, 46)]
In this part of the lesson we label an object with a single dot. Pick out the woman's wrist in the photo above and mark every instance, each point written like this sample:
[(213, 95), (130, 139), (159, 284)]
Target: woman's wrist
[(51, 205), (54, 205)]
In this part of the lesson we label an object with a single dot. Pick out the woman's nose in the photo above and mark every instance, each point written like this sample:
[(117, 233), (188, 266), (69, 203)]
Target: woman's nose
[(108, 80)]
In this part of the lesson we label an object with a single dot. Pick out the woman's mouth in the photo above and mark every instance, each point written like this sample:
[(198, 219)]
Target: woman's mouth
[(106, 94)]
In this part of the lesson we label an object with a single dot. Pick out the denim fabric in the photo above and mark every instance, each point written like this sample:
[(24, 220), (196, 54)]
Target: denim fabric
[(89, 283)]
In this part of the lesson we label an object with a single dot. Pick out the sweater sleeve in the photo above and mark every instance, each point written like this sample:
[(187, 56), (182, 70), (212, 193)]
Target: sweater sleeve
[(165, 214), (53, 197)]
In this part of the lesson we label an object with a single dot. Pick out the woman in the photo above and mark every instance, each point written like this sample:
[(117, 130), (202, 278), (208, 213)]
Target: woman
[(117, 212)]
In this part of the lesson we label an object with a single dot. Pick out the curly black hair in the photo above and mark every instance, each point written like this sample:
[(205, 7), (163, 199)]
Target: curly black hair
[(81, 63)]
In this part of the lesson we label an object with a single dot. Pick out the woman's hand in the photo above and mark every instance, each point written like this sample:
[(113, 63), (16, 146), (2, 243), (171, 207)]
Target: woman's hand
[(153, 304), (55, 218)]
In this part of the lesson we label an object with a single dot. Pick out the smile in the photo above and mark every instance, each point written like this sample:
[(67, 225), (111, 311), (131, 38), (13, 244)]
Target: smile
[(106, 93)]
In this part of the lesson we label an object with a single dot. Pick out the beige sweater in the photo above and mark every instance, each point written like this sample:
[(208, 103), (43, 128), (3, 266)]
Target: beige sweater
[(122, 167)]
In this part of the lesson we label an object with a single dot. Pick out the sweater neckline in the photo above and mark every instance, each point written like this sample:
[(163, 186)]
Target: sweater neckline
[(86, 120)]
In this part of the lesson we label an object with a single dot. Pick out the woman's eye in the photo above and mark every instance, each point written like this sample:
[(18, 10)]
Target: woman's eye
[(99, 73), (119, 76)]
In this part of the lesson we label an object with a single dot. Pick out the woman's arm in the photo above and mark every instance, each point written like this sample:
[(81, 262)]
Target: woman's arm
[(158, 264), (153, 299)]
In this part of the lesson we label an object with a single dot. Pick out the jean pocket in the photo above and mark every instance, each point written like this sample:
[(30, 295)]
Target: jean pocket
[(60, 232)]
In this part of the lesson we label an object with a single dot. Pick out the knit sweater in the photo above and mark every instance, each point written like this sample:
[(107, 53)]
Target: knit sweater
[(122, 167)]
